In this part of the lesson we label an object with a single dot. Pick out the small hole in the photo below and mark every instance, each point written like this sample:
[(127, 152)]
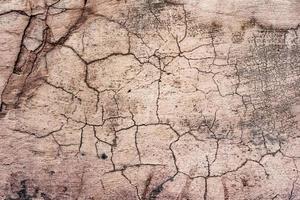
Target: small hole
[(104, 156)]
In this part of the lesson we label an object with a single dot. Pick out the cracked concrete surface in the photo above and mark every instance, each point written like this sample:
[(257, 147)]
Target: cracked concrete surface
[(150, 99)]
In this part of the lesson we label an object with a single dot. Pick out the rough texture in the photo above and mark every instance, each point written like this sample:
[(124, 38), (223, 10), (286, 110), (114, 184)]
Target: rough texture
[(149, 99)]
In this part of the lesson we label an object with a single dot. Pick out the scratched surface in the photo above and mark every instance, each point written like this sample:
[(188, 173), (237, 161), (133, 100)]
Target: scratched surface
[(149, 99)]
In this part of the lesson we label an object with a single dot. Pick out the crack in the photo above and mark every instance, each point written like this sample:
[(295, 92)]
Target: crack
[(185, 24), (158, 97), (37, 135), (81, 140), (129, 181), (63, 89), (292, 196), (136, 143)]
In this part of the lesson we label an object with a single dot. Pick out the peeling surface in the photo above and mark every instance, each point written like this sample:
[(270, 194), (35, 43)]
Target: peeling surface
[(150, 99)]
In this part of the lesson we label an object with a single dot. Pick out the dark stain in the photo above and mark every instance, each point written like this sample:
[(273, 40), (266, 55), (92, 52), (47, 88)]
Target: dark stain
[(147, 184), (87, 11), (248, 24), (157, 4), (21, 187), (45, 196), (65, 189), (2, 110), (216, 26), (155, 192), (226, 192), (252, 22), (271, 57), (196, 29), (23, 193)]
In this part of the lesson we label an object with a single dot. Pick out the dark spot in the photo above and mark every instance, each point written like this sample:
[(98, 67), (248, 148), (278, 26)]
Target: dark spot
[(104, 156), (52, 172), (129, 91), (244, 182), (65, 189)]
